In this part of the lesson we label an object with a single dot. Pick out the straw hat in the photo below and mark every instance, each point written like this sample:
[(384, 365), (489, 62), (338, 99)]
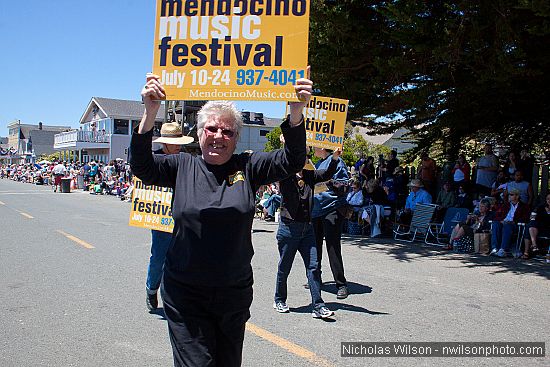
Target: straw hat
[(416, 183), (170, 133)]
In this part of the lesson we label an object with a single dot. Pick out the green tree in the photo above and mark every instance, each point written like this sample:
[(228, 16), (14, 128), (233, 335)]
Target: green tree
[(449, 71), (273, 140), (356, 147), (56, 156)]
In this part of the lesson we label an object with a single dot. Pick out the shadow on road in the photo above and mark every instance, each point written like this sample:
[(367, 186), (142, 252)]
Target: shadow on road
[(335, 306), (353, 288), (159, 312), (409, 252)]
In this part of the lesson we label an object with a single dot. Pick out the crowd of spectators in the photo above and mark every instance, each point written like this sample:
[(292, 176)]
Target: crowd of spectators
[(498, 195), (113, 178)]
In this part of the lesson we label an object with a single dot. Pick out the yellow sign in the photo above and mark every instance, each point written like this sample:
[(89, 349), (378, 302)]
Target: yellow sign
[(151, 207), (231, 49), (325, 119)]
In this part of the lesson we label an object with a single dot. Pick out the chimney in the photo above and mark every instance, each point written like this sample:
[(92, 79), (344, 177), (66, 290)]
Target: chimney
[(40, 125)]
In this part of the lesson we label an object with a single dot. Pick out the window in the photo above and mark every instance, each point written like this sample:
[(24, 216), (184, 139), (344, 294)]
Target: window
[(121, 127), (264, 132)]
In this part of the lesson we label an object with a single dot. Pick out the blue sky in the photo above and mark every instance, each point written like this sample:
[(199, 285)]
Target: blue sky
[(56, 55)]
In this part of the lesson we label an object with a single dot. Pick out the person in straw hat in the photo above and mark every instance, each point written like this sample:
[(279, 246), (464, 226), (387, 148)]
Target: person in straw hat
[(172, 139), (417, 196)]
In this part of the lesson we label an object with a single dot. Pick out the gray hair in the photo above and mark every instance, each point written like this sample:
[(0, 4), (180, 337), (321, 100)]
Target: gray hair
[(225, 109)]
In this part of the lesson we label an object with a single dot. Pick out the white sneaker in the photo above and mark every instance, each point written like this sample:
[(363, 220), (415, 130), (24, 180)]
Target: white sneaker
[(493, 252), (501, 253), (280, 307), (322, 313)]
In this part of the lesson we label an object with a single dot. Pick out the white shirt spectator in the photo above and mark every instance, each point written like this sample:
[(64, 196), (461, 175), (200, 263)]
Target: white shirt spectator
[(355, 198), (59, 170), (511, 212)]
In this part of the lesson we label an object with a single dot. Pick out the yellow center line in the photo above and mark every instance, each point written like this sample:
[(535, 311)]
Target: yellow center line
[(288, 345), (26, 215), (77, 240)]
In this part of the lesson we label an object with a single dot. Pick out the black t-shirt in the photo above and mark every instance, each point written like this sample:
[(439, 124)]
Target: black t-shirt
[(297, 201), (213, 205)]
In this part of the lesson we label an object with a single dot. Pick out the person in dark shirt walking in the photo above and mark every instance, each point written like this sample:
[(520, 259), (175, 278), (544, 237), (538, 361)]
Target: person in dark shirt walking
[(296, 234), (207, 282)]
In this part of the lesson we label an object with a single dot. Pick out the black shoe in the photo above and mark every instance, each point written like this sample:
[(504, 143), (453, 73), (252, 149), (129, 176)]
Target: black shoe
[(342, 292), (152, 302)]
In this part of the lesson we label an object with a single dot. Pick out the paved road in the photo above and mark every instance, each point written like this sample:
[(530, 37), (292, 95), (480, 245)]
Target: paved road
[(65, 303)]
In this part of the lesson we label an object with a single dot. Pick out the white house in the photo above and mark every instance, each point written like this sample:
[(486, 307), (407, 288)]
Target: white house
[(107, 125)]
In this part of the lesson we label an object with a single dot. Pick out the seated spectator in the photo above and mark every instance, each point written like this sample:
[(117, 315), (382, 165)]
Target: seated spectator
[(445, 199), (539, 226), (108, 185), (374, 193), (479, 223), (375, 200), (507, 217), (463, 199), (525, 189), (417, 196), (461, 171), (355, 198), (272, 204)]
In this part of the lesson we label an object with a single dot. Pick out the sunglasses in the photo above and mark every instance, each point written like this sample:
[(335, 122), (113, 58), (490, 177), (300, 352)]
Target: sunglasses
[(212, 130)]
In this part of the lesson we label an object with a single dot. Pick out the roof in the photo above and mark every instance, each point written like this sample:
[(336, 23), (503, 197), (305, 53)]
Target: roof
[(272, 122), (119, 108), (396, 141), (18, 123)]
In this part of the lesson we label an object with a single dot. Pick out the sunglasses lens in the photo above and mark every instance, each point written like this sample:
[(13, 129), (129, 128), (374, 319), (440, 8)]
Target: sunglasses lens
[(214, 130)]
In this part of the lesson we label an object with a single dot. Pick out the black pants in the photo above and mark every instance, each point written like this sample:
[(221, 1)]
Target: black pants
[(329, 227), (206, 324)]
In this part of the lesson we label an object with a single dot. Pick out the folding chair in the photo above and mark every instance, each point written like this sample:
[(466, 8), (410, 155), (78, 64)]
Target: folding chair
[(420, 221), (520, 236), (442, 231), (519, 239)]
